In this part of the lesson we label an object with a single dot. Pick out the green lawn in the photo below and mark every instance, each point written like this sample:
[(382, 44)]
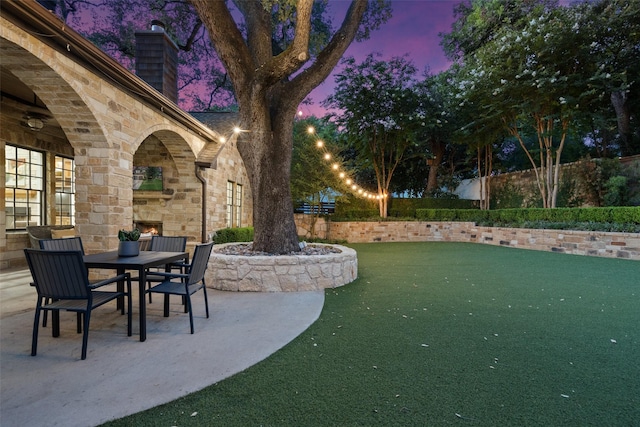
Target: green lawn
[(447, 334), (154, 184)]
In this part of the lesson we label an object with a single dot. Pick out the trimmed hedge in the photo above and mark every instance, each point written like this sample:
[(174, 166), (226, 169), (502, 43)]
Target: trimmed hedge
[(408, 207), (605, 219), (621, 215), (360, 209), (238, 234)]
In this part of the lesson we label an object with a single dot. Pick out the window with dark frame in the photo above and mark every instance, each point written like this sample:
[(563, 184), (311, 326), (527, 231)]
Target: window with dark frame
[(65, 191), (234, 204), (238, 205), (229, 204), (24, 187)]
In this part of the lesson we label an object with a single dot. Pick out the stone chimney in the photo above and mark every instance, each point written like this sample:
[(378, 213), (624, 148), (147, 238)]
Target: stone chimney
[(157, 60)]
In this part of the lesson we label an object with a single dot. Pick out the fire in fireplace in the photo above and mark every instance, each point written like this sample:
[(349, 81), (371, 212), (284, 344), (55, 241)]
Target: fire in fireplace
[(149, 227)]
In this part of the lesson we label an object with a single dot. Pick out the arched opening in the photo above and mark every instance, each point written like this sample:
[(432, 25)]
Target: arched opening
[(166, 193)]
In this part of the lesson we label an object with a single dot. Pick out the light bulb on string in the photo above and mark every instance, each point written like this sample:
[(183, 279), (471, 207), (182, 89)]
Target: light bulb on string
[(336, 167)]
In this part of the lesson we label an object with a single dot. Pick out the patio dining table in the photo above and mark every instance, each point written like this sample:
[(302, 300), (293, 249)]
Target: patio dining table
[(140, 263)]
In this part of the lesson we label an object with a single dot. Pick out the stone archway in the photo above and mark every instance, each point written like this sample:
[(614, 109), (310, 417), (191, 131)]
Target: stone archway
[(176, 209), (78, 125)]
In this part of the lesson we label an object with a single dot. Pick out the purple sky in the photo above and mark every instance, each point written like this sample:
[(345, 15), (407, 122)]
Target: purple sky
[(413, 29)]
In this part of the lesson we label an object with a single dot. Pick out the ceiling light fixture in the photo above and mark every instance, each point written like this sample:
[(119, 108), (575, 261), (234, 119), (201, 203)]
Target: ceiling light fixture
[(34, 123)]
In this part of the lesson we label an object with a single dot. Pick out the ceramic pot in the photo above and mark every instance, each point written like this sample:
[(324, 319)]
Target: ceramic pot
[(129, 248)]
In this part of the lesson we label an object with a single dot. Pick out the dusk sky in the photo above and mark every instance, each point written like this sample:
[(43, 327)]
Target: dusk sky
[(413, 29)]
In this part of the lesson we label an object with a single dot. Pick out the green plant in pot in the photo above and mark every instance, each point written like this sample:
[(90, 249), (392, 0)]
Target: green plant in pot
[(129, 245)]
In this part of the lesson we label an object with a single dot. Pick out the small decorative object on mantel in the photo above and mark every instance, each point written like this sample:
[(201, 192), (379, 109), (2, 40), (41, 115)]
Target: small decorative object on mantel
[(129, 245)]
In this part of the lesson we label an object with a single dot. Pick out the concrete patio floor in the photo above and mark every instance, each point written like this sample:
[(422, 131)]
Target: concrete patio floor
[(122, 375)]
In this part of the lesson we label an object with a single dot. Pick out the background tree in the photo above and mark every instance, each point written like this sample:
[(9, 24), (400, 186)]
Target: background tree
[(535, 80), (615, 54), (477, 23), (436, 132), (313, 180), (480, 133), (269, 85), (380, 114)]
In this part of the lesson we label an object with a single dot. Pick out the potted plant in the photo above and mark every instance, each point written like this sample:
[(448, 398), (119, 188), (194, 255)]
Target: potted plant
[(129, 245)]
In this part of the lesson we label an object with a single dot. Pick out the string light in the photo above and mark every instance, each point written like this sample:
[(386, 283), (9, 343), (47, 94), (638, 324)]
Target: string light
[(341, 173), (327, 156)]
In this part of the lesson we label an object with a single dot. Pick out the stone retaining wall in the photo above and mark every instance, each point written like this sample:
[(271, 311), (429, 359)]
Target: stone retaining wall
[(594, 243), (283, 273)]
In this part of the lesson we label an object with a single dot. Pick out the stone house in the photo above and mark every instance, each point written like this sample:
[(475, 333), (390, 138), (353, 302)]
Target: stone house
[(75, 124)]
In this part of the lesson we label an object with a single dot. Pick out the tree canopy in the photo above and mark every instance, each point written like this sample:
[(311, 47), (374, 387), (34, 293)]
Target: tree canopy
[(269, 84), (379, 112)]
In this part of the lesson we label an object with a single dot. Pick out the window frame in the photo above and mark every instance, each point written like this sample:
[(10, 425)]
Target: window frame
[(60, 193), (34, 173), (234, 204)]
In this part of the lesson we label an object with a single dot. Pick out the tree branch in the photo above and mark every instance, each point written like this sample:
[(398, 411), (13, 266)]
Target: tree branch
[(328, 58), (227, 40)]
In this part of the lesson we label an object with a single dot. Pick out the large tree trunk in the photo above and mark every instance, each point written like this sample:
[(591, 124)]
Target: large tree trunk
[(269, 87), (266, 150)]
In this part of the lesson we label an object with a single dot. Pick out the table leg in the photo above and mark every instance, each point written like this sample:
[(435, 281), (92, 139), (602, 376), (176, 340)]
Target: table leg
[(120, 288), (143, 307), (55, 323)]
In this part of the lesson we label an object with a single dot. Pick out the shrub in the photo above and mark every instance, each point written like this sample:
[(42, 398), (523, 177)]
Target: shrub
[(603, 219), (615, 191), (238, 234)]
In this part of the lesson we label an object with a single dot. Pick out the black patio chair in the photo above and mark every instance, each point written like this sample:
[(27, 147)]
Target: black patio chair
[(62, 283), (186, 284), (165, 244), (66, 244)]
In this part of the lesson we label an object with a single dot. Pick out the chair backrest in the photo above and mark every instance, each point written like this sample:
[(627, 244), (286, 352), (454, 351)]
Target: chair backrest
[(58, 274), (199, 262), (168, 243), (66, 244)]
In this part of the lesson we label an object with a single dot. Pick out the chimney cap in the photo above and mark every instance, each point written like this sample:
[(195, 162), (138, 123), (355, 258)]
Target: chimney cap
[(157, 25)]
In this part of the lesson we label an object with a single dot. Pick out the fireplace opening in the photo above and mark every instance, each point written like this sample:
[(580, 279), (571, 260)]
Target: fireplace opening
[(152, 228)]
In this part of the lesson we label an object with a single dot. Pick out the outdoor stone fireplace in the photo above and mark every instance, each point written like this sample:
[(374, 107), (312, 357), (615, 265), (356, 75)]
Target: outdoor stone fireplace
[(148, 227)]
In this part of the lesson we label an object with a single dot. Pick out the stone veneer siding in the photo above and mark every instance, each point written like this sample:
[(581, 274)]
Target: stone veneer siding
[(283, 273), (108, 130), (594, 243)]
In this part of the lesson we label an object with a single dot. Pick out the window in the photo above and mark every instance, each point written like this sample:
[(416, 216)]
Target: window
[(24, 187), (229, 204), (238, 205), (234, 204), (65, 191)]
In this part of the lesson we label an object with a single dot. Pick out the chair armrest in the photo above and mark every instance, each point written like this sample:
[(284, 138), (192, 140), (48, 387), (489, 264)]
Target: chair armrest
[(180, 264), (169, 275), (124, 276)]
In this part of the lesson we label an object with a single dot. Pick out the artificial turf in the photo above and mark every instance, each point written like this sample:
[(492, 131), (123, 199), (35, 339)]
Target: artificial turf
[(435, 334)]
